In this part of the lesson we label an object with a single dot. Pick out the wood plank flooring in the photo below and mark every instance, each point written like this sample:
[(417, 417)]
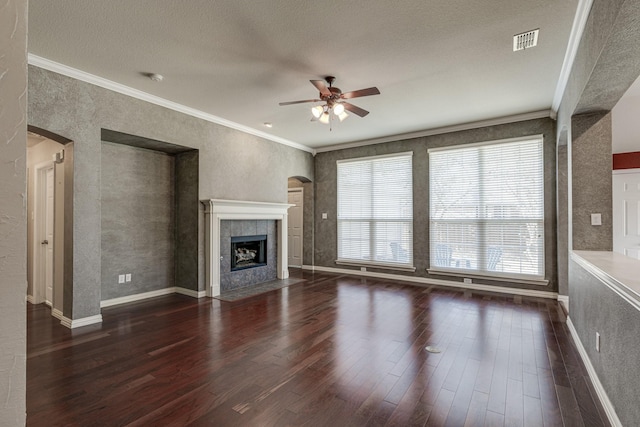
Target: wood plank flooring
[(330, 351)]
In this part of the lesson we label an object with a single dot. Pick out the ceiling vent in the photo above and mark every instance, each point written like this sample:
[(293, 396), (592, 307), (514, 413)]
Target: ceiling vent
[(525, 40)]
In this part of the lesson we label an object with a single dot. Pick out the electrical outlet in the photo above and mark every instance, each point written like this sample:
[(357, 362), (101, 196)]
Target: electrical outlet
[(467, 280), (596, 219), (121, 278), (324, 215), (128, 277), (363, 268), (598, 342)]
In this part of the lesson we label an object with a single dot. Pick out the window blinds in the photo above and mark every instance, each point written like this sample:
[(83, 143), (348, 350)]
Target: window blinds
[(487, 208), (375, 210)]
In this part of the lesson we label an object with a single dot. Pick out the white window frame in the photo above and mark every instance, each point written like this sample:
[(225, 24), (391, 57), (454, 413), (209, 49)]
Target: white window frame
[(500, 276), (377, 264)]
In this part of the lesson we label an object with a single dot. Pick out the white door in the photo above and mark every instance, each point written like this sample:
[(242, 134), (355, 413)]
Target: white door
[(295, 227), (48, 236), (626, 212)]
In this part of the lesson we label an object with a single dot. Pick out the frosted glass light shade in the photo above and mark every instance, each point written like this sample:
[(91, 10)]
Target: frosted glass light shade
[(338, 109), (343, 116), (324, 118), (317, 111)]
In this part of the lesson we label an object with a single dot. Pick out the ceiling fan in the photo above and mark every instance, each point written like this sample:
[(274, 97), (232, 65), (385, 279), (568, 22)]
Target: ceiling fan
[(333, 100)]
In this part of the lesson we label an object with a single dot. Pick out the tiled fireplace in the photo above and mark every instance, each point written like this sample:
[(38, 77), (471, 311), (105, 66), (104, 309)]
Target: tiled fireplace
[(227, 218), (248, 252)]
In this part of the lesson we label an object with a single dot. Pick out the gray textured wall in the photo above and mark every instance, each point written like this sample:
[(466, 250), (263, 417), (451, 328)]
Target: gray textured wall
[(591, 177), (326, 230), (233, 164), (13, 218), (137, 221), (606, 64), (562, 219), (596, 308), (187, 205)]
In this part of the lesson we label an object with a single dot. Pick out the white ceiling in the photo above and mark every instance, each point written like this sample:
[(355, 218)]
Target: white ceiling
[(437, 63), (625, 127)]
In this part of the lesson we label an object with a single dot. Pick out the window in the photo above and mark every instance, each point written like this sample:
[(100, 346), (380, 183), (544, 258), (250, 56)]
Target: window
[(375, 210), (487, 208)]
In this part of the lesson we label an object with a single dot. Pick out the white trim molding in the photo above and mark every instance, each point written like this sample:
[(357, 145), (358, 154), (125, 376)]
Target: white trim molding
[(57, 314), (442, 130), (31, 299), (564, 299), (190, 292), (217, 210), (136, 297), (152, 294), (602, 394), (84, 321), (83, 76), (577, 28), (438, 282), (610, 260)]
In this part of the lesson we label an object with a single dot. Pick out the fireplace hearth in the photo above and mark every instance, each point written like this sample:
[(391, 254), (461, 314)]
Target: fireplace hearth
[(248, 252)]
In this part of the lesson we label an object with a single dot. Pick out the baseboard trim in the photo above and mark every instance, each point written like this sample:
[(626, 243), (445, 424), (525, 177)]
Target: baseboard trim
[(600, 391), (136, 297), (191, 292), (77, 323), (31, 299), (564, 299), (57, 314), (307, 267), (439, 282)]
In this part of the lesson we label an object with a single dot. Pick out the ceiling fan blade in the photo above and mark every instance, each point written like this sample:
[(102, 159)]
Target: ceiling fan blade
[(321, 86), (362, 92), (299, 102), (355, 110)]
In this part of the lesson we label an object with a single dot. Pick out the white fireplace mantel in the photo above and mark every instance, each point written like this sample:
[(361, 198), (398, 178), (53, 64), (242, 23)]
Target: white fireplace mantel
[(217, 210)]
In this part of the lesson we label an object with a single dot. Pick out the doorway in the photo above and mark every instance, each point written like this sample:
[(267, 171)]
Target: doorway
[(295, 226), (45, 220)]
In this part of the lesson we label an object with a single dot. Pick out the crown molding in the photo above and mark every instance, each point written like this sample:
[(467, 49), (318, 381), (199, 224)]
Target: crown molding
[(579, 22), (438, 131), (74, 73)]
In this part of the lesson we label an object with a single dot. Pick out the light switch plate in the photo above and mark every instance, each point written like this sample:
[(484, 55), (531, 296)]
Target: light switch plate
[(121, 278), (324, 215), (129, 277), (596, 219)]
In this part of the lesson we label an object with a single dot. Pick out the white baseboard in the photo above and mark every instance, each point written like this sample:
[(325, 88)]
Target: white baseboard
[(190, 292), (57, 314), (136, 297), (85, 321), (31, 299), (564, 299), (602, 394), (439, 282), (308, 267)]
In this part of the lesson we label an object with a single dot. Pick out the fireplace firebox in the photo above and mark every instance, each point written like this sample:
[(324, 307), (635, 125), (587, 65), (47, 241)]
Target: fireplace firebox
[(248, 252)]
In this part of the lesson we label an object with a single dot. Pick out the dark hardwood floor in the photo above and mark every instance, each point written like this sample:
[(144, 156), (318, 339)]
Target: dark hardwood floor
[(333, 350)]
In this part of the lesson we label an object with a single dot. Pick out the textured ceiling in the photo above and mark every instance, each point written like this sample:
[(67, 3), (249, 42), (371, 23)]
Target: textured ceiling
[(437, 63)]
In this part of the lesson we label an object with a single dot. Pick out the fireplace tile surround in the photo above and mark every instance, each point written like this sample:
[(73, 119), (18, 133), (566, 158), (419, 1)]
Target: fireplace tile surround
[(244, 217), (231, 280)]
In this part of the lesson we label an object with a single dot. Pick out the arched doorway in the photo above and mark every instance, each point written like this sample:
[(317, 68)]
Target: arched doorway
[(48, 167)]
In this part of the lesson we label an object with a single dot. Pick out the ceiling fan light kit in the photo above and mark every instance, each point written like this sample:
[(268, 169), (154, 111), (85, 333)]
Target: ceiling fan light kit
[(332, 99)]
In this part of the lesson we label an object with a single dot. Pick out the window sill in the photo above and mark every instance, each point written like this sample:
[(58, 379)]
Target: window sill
[(474, 275), (376, 265)]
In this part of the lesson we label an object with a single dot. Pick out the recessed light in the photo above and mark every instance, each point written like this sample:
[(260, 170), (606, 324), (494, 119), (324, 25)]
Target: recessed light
[(267, 124)]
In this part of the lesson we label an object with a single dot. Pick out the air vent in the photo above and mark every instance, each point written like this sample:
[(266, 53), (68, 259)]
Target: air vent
[(525, 40)]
